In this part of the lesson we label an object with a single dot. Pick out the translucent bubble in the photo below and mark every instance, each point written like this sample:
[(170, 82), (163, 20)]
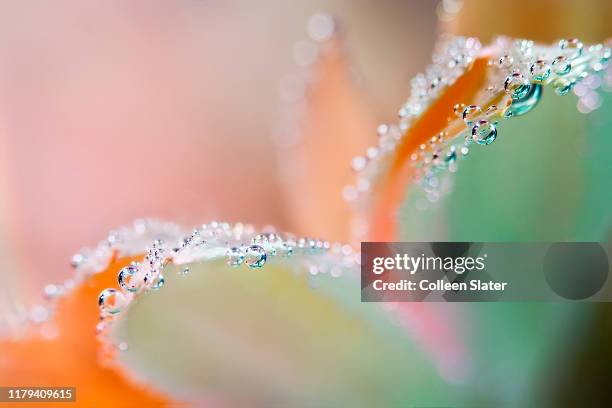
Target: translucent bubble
[(470, 113), (522, 106), (77, 260), (506, 61), (517, 86), (451, 155), (184, 271), (436, 82), (436, 159), (255, 256), (562, 86), (540, 70), (111, 301), (285, 249), (484, 132), (235, 256), (571, 48), (358, 163), (561, 65), (382, 129), (260, 239), (601, 55), (524, 46), (157, 282), (129, 278), (51, 291), (321, 27), (458, 109)]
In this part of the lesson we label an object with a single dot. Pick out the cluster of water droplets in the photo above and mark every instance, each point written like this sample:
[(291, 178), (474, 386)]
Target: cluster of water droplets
[(164, 242), (124, 241), (237, 244), (518, 70), (452, 56)]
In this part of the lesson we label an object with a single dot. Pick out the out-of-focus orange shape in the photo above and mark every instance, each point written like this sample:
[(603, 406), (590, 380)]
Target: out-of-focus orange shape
[(390, 192), (72, 359), (337, 126)]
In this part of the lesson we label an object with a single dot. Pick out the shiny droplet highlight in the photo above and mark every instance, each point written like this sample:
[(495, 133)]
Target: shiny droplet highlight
[(540, 70), (129, 278), (522, 106), (111, 301), (517, 86), (470, 113), (484, 132), (571, 48), (234, 256), (561, 65), (255, 256)]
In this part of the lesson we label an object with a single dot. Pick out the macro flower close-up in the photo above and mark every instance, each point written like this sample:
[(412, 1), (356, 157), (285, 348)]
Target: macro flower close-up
[(305, 204)]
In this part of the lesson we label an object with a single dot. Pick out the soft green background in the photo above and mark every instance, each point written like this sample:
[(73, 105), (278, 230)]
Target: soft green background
[(547, 177)]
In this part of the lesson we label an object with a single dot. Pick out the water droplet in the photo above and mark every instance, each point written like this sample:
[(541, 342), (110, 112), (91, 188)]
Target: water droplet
[(506, 61), (561, 65), (517, 86), (458, 109), (39, 314), (562, 86), (571, 48), (255, 256), (470, 113), (321, 27), (484, 132), (372, 152), (123, 346), (601, 55), (129, 278), (77, 260), (491, 109), (111, 301), (158, 282), (184, 271), (451, 155), (435, 82), (235, 256), (437, 160), (51, 291), (522, 106), (524, 46), (260, 239), (382, 130), (285, 249), (465, 151), (540, 70), (358, 163)]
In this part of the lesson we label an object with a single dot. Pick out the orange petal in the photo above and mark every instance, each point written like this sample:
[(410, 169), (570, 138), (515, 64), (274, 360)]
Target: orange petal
[(72, 359), (389, 194), (337, 126)]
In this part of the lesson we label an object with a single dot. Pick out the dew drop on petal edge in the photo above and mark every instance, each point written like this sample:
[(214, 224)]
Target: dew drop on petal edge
[(484, 132), (255, 256)]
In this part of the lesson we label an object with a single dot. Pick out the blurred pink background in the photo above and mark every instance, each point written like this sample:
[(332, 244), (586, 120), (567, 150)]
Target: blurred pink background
[(116, 110)]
